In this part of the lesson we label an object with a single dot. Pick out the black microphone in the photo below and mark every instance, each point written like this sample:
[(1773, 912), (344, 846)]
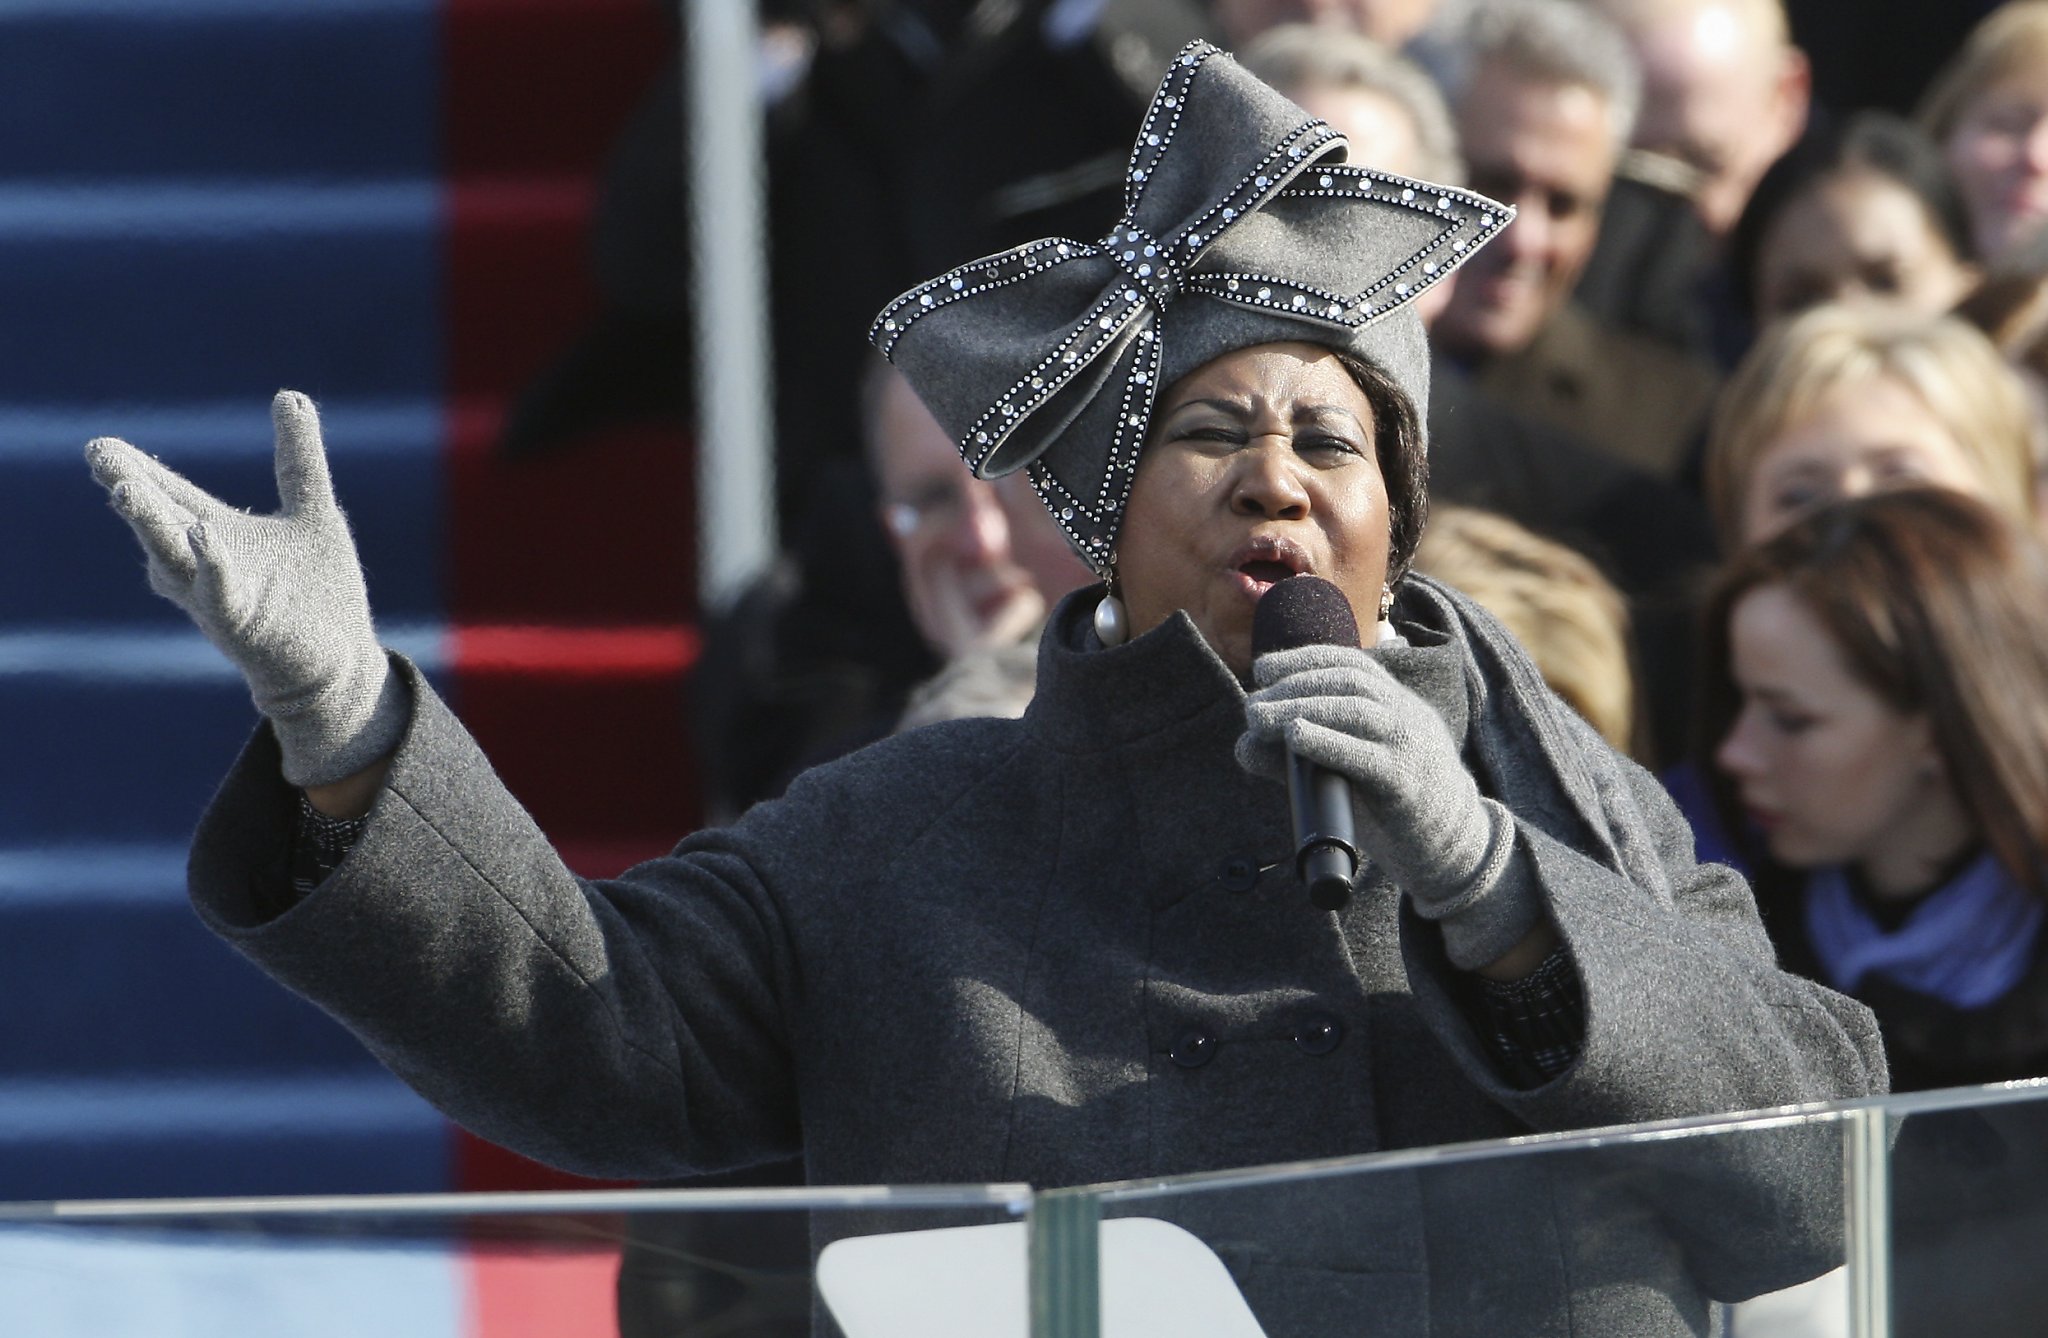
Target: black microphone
[(1310, 611)]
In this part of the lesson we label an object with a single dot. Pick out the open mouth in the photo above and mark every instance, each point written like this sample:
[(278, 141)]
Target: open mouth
[(1263, 563)]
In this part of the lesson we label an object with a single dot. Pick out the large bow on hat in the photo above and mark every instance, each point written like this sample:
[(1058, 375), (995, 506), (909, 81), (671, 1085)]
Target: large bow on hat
[(1242, 225)]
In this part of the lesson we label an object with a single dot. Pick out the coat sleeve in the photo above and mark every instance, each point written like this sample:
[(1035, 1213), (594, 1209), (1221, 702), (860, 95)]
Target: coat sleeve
[(1687, 1014), (571, 1021), (1687, 1011)]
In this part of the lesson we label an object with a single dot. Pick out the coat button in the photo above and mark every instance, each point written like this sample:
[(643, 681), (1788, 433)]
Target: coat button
[(1239, 874), (1318, 1034), (1195, 1048)]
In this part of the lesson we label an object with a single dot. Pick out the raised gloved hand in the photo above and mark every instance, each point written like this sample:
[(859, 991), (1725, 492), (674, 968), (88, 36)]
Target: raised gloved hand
[(1419, 814), (282, 596)]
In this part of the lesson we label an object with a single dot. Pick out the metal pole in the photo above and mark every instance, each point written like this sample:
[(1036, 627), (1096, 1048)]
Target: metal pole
[(735, 438), (1065, 1264), (1867, 1207)]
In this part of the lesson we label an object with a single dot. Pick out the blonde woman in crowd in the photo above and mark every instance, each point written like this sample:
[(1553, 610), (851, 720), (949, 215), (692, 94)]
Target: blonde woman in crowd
[(2010, 305), (1844, 401), (1988, 109), (1569, 618), (1840, 402)]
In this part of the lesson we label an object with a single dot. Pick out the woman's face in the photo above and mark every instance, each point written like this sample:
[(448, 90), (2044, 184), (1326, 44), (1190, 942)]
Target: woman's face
[(1998, 151), (1864, 435), (1857, 236), (1827, 770), (1261, 465)]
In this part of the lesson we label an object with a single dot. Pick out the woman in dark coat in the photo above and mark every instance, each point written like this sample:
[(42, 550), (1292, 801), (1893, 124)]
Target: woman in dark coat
[(1070, 948)]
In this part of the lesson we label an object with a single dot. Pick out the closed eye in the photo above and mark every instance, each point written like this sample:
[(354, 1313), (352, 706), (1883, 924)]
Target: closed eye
[(1327, 444), (1798, 498)]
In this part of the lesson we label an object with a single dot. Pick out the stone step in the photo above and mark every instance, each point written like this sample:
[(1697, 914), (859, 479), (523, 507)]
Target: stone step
[(227, 1135), (92, 88), (76, 563), (122, 735), (110, 973), (166, 293)]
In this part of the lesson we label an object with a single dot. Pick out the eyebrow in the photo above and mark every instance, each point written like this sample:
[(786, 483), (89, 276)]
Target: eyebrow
[(1331, 411), (1776, 696), (1240, 409), (1794, 469), (1237, 407)]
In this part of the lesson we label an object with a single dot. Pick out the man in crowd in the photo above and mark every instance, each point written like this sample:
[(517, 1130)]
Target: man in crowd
[(1725, 94), (1544, 117), (982, 561), (1391, 23), (1431, 33)]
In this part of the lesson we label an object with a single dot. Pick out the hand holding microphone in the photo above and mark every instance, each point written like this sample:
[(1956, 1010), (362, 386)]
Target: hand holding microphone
[(1415, 810)]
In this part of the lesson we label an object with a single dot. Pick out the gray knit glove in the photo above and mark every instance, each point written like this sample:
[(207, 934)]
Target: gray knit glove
[(282, 596), (1419, 815)]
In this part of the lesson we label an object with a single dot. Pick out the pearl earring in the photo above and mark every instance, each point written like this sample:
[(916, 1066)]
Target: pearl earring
[(1111, 625)]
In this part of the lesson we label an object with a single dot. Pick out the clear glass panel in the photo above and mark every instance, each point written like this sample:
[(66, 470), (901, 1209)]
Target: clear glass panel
[(857, 1263), (1917, 1215), (1650, 1231), (1969, 1212)]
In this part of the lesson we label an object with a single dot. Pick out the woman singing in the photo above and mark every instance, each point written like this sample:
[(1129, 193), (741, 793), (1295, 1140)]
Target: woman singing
[(1071, 947)]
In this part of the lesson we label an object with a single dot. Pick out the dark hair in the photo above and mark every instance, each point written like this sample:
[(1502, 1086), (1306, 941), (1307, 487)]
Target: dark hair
[(2010, 304), (1939, 606), (1872, 141), (1404, 460)]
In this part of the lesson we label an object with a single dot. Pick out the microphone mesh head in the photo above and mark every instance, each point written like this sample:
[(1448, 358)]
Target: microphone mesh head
[(1303, 611)]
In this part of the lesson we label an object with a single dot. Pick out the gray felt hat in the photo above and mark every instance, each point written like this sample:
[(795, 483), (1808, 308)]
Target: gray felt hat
[(1242, 225)]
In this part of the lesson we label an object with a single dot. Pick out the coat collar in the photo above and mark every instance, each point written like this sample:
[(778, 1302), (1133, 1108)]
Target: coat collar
[(1094, 697)]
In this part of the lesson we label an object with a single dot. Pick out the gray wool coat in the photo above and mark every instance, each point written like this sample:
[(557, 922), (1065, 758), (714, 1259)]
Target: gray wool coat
[(985, 950)]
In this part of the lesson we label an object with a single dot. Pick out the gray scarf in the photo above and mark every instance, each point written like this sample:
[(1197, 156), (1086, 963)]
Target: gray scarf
[(1535, 754)]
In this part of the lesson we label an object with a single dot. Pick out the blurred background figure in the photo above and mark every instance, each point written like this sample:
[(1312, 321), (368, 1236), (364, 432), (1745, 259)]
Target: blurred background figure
[(1570, 618), (2010, 305), (1863, 212), (1391, 23), (1547, 108), (1390, 110), (794, 678), (1840, 402), (1988, 109), (1875, 711), (1383, 102), (1429, 33), (1725, 92), (982, 561)]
